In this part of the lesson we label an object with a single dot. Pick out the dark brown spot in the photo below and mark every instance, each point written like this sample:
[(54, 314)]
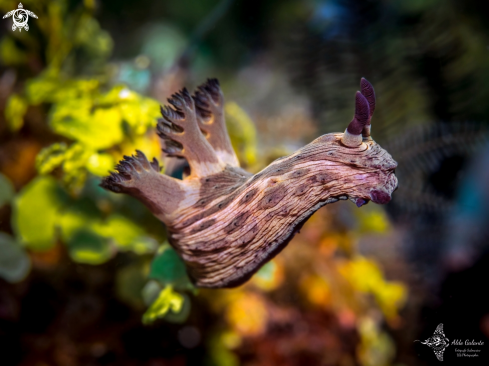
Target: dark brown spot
[(322, 178), (284, 211), (211, 210), (220, 184), (283, 168), (256, 176), (205, 248), (192, 219), (247, 236), (248, 196), (200, 252), (298, 173), (237, 222), (203, 226), (272, 197), (299, 191), (201, 203)]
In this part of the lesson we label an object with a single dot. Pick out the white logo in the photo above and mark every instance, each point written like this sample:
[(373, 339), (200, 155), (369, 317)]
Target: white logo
[(438, 342), (20, 18)]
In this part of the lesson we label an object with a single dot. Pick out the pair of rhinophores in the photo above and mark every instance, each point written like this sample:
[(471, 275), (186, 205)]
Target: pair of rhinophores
[(224, 222)]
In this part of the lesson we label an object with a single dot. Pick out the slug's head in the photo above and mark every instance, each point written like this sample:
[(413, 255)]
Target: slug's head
[(372, 167)]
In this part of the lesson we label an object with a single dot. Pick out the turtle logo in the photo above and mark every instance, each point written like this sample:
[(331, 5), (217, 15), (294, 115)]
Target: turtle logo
[(438, 342), (20, 17)]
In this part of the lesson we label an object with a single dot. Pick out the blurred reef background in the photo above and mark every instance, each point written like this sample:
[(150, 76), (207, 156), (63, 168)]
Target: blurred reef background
[(88, 278)]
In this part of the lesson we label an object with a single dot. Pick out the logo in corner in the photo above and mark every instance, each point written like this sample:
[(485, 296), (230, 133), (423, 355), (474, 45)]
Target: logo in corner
[(20, 17), (438, 342)]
